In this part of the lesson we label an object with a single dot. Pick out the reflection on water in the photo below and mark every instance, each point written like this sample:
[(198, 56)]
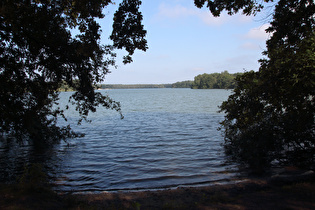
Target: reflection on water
[(168, 138)]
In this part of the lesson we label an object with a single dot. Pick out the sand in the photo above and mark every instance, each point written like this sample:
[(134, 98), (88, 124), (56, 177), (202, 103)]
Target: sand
[(278, 192), (250, 194)]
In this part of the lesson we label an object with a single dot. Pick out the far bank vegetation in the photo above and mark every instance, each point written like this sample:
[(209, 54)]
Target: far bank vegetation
[(223, 80)]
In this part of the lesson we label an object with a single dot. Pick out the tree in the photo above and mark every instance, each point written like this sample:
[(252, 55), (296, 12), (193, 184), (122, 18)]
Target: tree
[(222, 80), (38, 54), (183, 84), (232, 7), (270, 116)]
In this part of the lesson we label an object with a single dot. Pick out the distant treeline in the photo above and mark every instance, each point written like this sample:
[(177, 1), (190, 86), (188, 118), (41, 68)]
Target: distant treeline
[(120, 86), (184, 84), (222, 80)]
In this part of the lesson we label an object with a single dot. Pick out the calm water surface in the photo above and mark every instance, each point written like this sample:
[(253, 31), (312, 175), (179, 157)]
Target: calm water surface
[(168, 138)]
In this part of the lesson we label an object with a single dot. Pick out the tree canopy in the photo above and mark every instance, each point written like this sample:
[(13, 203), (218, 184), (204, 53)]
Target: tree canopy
[(38, 54), (183, 84), (248, 7), (222, 80), (270, 116)]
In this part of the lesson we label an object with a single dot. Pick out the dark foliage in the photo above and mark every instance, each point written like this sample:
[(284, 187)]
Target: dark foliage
[(270, 117), (232, 7), (128, 32), (38, 54)]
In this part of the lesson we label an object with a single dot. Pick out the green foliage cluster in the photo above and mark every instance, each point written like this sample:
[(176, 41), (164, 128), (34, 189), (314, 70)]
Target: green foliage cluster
[(39, 55), (248, 7), (270, 117), (222, 80), (183, 84)]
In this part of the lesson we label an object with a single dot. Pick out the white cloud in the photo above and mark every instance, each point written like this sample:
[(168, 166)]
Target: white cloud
[(167, 12), (243, 18), (179, 11), (258, 33)]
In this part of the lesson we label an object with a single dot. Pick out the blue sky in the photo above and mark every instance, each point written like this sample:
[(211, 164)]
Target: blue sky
[(185, 41)]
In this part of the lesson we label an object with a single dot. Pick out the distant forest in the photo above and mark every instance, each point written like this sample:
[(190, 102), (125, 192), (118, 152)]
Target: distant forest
[(223, 80), (121, 86), (184, 84)]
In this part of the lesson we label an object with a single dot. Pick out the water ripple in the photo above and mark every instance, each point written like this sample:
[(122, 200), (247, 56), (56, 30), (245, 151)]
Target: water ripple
[(166, 142)]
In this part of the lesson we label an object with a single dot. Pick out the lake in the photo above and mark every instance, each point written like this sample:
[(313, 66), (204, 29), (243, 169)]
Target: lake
[(168, 138)]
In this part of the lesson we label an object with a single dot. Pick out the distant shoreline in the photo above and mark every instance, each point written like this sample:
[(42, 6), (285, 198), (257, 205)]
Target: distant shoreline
[(133, 86)]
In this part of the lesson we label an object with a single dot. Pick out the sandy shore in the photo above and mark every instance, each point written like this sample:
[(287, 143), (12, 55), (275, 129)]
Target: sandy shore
[(251, 194), (277, 193)]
